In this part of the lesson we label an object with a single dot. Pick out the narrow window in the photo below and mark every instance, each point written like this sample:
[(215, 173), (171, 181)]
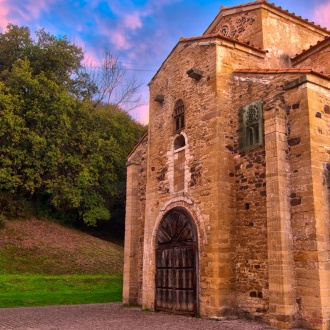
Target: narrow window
[(177, 124), (178, 115), (256, 134), (249, 136)]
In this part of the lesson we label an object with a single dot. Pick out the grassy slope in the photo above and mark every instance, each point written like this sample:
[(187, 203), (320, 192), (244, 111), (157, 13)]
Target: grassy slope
[(43, 263), (47, 248)]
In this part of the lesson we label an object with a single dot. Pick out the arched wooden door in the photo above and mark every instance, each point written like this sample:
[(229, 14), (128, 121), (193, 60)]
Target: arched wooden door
[(176, 264)]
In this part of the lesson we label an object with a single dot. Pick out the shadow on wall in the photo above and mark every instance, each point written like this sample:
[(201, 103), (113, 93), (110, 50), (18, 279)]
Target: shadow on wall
[(326, 179)]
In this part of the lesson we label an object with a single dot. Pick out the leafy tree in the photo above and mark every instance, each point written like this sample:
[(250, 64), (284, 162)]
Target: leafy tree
[(15, 44), (57, 148), (57, 58)]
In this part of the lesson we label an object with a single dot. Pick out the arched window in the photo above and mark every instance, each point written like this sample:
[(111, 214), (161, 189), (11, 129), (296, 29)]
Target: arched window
[(179, 142), (178, 115)]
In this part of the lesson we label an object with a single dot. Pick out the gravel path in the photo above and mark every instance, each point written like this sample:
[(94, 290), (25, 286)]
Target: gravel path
[(111, 316)]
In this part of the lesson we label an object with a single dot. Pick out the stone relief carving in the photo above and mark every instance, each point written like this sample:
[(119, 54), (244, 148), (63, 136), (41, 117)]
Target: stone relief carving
[(233, 27)]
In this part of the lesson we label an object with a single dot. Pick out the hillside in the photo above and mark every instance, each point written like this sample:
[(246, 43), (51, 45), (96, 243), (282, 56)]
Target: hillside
[(45, 247)]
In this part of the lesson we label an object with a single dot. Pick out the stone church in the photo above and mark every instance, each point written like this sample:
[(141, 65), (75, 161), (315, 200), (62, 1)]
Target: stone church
[(228, 194)]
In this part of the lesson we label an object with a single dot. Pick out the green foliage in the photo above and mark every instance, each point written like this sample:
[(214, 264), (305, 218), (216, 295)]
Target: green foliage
[(12, 206), (15, 44), (57, 148), (57, 58), (95, 209)]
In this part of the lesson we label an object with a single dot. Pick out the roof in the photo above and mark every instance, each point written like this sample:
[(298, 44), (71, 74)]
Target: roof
[(282, 70), (218, 35), (273, 6), (319, 45), (253, 4), (211, 36), (137, 145)]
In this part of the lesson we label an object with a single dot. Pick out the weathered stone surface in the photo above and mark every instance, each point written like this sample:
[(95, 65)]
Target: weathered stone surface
[(261, 213)]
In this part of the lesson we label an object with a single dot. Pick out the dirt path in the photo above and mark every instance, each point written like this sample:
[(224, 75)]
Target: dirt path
[(112, 316)]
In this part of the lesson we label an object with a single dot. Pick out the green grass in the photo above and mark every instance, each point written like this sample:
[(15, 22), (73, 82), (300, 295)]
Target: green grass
[(43, 263), (39, 290)]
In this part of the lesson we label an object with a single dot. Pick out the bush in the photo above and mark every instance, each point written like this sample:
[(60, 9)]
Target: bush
[(13, 207)]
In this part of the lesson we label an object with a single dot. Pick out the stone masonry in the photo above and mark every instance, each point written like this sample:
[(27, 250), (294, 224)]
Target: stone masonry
[(228, 194)]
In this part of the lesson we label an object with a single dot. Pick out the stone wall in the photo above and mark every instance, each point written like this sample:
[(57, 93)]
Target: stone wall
[(208, 162), (243, 26), (261, 213), (201, 157), (265, 27), (308, 150), (288, 37), (318, 59), (297, 219), (251, 234), (134, 223)]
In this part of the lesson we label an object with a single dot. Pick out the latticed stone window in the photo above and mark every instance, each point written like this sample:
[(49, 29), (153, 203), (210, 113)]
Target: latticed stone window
[(251, 126), (178, 115)]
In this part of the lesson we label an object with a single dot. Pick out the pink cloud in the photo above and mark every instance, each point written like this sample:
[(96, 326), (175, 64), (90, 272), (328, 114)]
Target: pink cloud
[(6, 14), (21, 13), (133, 21), (321, 14), (119, 35), (118, 38), (141, 114), (91, 56), (162, 3), (32, 10)]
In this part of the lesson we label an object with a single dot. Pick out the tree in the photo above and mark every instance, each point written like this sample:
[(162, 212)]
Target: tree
[(113, 84), (15, 44), (57, 58), (57, 149)]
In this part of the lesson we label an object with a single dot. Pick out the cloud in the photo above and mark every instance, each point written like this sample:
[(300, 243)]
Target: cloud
[(321, 14), (30, 10), (120, 40), (133, 21), (22, 13), (141, 114), (5, 11)]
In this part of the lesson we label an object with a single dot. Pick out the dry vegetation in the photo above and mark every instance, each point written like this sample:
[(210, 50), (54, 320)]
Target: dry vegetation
[(44, 247)]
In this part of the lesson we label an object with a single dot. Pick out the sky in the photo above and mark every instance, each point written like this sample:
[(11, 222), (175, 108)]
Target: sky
[(140, 32)]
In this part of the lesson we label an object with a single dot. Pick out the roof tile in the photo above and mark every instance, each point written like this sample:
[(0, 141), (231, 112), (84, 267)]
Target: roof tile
[(312, 47), (281, 70), (279, 8), (219, 35)]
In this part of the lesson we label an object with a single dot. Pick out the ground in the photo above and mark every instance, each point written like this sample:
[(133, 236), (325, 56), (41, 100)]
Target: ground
[(45, 247)]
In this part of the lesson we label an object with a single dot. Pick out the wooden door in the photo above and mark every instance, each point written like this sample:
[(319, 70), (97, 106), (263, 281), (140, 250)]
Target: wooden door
[(176, 269)]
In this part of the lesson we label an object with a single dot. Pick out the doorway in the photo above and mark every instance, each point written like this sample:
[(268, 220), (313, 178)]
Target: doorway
[(176, 264)]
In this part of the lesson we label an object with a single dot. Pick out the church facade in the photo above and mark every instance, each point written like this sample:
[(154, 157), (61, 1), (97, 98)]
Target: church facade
[(228, 194)]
